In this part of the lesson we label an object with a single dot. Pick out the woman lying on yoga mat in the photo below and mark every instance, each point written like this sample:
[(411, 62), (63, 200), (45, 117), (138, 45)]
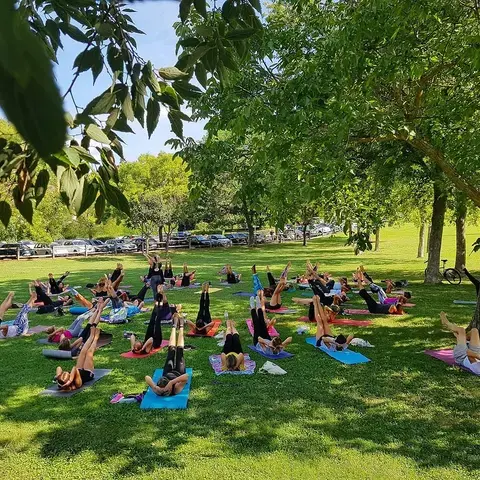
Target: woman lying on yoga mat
[(232, 277), (168, 273), (117, 273), (382, 296), (232, 353), (466, 352), (372, 305), (100, 289), (55, 286), (163, 309), (174, 377), (49, 305), (187, 276), (20, 324), (82, 373), (153, 336), (324, 334), (204, 319), (261, 337), (57, 335), (76, 345)]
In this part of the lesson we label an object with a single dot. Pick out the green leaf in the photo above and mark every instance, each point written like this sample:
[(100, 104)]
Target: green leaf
[(101, 104), (121, 125), (90, 60), (41, 185), (138, 94), (171, 73), (176, 123), (73, 156), (169, 97), (185, 6), (201, 7), (68, 184), (127, 108), (236, 35), (186, 90), (88, 196), (201, 74), (113, 117), (153, 114), (5, 212), (97, 134), (29, 96), (189, 42), (100, 207), (114, 58), (150, 79), (73, 32), (229, 10), (116, 198), (256, 5), (198, 53), (228, 59)]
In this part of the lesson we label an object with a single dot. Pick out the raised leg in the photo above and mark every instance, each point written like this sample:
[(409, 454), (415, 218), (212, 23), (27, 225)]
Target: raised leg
[(6, 304)]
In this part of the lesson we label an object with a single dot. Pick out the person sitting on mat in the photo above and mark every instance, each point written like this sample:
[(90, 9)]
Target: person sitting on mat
[(232, 277), (204, 319), (174, 377), (261, 338), (324, 334), (372, 305), (155, 272), (82, 373), (20, 324), (49, 305), (382, 296), (466, 352), (232, 353), (153, 336), (57, 286), (187, 276)]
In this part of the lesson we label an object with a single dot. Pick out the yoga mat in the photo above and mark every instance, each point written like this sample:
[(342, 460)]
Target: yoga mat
[(210, 333), (282, 354), (226, 284), (341, 321), (130, 354), (151, 400), (78, 310), (347, 357), (446, 356), (307, 294), (192, 285), (304, 286), (465, 302), (216, 363), (242, 294), (281, 311), (105, 339), (361, 311), (53, 390), (271, 330), (210, 290), (31, 331)]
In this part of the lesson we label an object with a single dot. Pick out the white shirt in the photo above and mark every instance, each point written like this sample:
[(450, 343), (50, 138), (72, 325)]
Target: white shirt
[(472, 366), (12, 331)]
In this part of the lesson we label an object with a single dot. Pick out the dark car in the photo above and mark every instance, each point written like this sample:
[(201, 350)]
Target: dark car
[(179, 238), (10, 250), (200, 241), (98, 245), (237, 238), (141, 242)]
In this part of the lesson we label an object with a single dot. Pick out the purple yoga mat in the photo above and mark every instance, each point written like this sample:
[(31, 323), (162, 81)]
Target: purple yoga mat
[(446, 356)]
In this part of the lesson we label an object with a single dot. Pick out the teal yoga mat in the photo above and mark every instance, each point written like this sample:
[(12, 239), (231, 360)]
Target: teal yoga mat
[(348, 357)]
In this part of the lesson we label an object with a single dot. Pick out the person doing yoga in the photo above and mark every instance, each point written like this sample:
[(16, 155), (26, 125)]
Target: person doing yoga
[(168, 273), (204, 319), (187, 276), (261, 338), (232, 277), (155, 272), (82, 373), (20, 324), (100, 289), (232, 353), (174, 377), (382, 296), (467, 350), (153, 336), (49, 305), (162, 308), (57, 286), (76, 344), (372, 305), (324, 335), (57, 335), (117, 274)]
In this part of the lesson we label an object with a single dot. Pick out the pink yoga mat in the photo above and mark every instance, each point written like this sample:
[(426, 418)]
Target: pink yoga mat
[(271, 330), (130, 354), (360, 311), (446, 356), (210, 333), (341, 321), (283, 310)]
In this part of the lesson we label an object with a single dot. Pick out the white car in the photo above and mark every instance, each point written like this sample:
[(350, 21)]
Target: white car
[(120, 245), (72, 247)]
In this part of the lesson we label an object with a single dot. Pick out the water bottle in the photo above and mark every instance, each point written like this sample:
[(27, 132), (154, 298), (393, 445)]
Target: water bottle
[(226, 315)]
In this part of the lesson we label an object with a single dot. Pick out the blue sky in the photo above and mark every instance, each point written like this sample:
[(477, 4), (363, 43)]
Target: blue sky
[(155, 18)]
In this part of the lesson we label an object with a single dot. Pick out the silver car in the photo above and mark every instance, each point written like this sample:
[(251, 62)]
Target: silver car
[(74, 247)]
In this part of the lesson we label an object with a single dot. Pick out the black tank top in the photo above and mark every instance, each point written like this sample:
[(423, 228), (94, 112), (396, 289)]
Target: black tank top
[(155, 269)]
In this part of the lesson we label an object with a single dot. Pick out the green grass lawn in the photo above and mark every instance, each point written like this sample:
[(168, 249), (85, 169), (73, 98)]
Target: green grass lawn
[(403, 415)]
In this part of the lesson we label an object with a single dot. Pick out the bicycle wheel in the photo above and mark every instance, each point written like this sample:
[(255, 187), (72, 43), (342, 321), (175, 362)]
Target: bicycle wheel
[(452, 276)]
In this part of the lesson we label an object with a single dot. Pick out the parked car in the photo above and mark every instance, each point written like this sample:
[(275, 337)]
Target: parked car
[(237, 238), (140, 242), (220, 240), (40, 249), (200, 241), (76, 246), (10, 250), (260, 238), (179, 238), (120, 245), (98, 245)]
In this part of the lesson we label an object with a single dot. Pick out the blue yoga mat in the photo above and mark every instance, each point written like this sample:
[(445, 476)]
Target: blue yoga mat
[(464, 302), (78, 310), (282, 354), (348, 357), (243, 294), (151, 400)]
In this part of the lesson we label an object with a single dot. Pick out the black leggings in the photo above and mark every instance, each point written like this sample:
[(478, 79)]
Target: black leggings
[(231, 278), (271, 280), (168, 273), (48, 306), (324, 300), (185, 280), (372, 305), (175, 362), (259, 326), (473, 280), (116, 273), (204, 310), (141, 294), (232, 344), (54, 285), (154, 329)]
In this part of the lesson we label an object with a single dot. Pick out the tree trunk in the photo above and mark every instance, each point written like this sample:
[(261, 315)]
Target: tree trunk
[(251, 232), (304, 235), (421, 240), (432, 275), (167, 240), (428, 237), (160, 233), (461, 241), (377, 239)]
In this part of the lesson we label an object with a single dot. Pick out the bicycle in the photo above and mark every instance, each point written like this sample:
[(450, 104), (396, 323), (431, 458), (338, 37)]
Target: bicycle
[(451, 275)]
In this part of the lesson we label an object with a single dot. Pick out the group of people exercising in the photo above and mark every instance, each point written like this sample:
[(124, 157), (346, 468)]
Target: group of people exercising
[(324, 306)]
